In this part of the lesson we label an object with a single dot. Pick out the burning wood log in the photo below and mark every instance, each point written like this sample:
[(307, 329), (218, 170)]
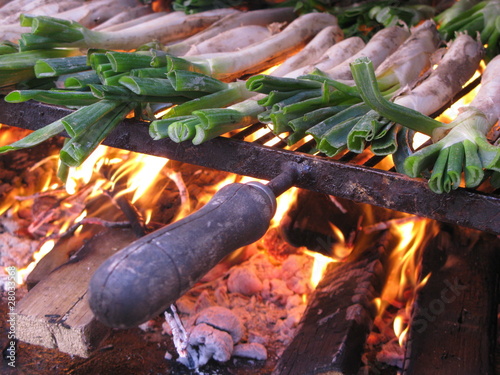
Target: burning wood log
[(452, 330), (333, 330), (55, 313)]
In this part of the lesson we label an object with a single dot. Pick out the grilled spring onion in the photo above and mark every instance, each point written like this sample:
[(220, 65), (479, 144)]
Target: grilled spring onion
[(457, 66), (7, 47), (260, 17), (332, 57), (68, 98), (59, 66), (19, 66), (460, 146), (79, 147), (36, 137), (231, 40), (380, 46), (318, 46), (235, 92), (254, 58), (205, 124), (49, 32), (401, 69)]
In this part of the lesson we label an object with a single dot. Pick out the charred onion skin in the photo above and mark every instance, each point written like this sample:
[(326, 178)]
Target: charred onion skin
[(143, 279)]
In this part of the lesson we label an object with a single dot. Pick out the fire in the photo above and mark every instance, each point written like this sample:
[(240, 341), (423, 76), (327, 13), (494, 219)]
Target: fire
[(147, 169), (284, 201), (44, 249), (319, 267), (404, 276), (83, 174), (134, 175), (400, 329), (270, 70)]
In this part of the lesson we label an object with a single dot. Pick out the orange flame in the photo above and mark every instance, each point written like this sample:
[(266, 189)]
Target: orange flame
[(404, 276), (320, 262)]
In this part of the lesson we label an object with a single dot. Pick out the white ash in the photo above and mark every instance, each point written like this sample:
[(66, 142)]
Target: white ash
[(253, 308), (16, 251), (250, 350), (222, 319), (205, 343), (392, 354), (148, 326), (168, 356), (244, 280)]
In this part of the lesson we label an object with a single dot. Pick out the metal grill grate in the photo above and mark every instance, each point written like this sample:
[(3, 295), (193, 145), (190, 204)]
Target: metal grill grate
[(358, 177)]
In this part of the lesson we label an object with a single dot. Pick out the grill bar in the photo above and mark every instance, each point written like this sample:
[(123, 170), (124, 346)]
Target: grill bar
[(344, 178)]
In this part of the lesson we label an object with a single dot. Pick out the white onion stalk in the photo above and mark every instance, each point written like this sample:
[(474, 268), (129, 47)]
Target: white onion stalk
[(91, 13), (10, 12), (172, 26), (316, 48), (458, 64), (332, 57), (231, 40), (262, 17), (124, 16), (380, 46), (260, 56), (407, 64), (48, 9), (130, 23)]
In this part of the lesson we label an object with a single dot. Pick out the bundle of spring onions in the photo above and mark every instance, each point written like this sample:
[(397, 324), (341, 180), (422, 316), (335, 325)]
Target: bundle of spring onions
[(459, 148), (205, 122)]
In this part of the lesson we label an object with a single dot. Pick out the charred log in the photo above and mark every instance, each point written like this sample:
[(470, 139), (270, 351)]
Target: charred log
[(339, 316), (453, 324)]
